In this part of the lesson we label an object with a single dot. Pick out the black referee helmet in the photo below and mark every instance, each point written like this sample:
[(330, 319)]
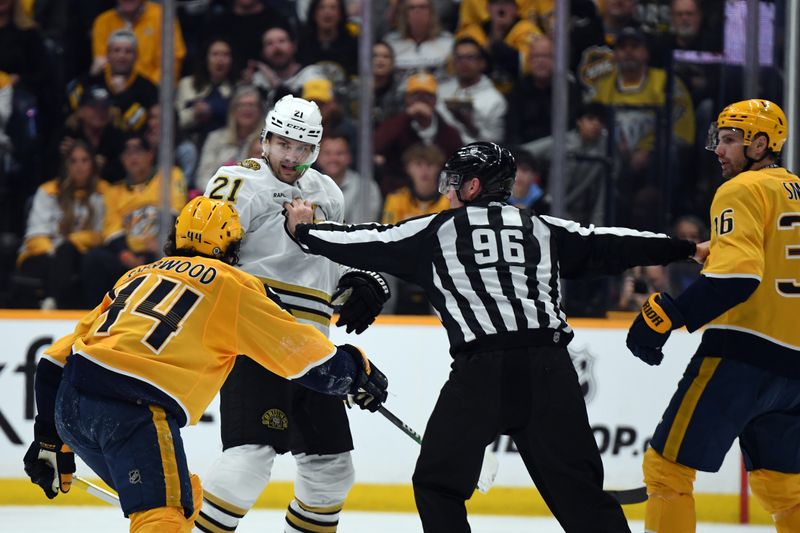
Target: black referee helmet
[(492, 164)]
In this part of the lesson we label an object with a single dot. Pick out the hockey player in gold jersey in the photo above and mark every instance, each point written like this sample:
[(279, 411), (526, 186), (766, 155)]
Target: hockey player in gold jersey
[(150, 358), (744, 380)]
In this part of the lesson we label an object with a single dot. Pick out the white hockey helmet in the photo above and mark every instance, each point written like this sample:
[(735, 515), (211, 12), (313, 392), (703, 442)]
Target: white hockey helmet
[(297, 119)]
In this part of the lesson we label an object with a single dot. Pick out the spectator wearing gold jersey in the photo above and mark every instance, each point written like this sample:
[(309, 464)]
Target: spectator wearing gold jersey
[(131, 228)]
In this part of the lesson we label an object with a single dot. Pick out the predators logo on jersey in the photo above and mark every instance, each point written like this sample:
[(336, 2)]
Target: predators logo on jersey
[(756, 234)]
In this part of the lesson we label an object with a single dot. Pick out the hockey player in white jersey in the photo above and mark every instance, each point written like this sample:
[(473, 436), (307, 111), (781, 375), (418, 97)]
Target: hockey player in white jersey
[(263, 415)]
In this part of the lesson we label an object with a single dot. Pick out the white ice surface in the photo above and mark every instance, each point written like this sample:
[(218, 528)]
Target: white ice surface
[(47, 519)]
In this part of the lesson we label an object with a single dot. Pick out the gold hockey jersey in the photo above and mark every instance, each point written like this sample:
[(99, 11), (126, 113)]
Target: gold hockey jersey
[(133, 210), (756, 234), (178, 324)]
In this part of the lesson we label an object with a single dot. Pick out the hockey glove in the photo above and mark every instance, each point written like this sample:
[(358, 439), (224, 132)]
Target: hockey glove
[(369, 388), (49, 462), (363, 294), (651, 328)]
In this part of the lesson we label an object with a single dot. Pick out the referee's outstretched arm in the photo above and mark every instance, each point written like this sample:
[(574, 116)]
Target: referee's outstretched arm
[(595, 251), (396, 249)]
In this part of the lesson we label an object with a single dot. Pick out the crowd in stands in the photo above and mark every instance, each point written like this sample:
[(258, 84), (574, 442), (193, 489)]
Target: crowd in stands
[(79, 119)]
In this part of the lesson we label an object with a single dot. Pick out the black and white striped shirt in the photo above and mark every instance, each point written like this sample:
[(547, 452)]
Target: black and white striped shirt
[(491, 271)]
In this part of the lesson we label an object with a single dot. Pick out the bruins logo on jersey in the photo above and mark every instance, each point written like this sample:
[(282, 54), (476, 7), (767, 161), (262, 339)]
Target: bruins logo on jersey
[(275, 419), (252, 164)]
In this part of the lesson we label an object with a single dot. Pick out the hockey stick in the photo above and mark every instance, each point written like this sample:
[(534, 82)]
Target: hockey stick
[(488, 468), (629, 496), (96, 491)]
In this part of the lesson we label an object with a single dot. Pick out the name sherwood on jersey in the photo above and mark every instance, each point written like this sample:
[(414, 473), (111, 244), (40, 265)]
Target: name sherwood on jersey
[(205, 274)]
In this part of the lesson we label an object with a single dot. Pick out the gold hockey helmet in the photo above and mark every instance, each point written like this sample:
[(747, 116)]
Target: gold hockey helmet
[(208, 227), (752, 117)]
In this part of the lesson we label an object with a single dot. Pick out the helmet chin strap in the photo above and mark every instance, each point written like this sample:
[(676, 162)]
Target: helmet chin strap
[(751, 161)]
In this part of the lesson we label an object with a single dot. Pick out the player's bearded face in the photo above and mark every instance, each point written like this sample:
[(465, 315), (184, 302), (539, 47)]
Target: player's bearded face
[(730, 152), (286, 155)]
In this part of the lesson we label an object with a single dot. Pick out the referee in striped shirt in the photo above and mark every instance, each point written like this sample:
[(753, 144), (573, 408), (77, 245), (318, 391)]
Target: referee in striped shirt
[(491, 272)]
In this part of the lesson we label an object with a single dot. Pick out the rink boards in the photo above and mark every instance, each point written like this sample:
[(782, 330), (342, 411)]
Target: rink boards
[(625, 399)]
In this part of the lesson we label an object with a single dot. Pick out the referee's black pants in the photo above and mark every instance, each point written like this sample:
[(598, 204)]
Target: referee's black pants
[(533, 395)]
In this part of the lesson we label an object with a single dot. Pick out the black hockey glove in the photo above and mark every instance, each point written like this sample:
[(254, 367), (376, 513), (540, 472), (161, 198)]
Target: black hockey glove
[(369, 389), (363, 294), (652, 327), (49, 462)]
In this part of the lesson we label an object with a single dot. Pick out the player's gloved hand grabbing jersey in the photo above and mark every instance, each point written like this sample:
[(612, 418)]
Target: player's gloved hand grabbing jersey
[(652, 327), (364, 294), (49, 462), (369, 388)]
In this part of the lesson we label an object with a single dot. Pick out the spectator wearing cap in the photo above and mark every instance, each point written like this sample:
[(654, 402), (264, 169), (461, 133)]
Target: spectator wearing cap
[(362, 198), (532, 96), (131, 93), (637, 92), (132, 211), (143, 18), (227, 145), (470, 102), (92, 123), (327, 37), (418, 122), (419, 43), (334, 117), (279, 73), (505, 37)]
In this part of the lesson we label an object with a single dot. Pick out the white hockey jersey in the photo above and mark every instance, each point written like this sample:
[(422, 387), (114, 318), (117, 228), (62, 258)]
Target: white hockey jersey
[(304, 282)]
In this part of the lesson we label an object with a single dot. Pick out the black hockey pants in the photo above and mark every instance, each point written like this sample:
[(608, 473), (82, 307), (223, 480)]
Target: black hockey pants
[(533, 395)]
